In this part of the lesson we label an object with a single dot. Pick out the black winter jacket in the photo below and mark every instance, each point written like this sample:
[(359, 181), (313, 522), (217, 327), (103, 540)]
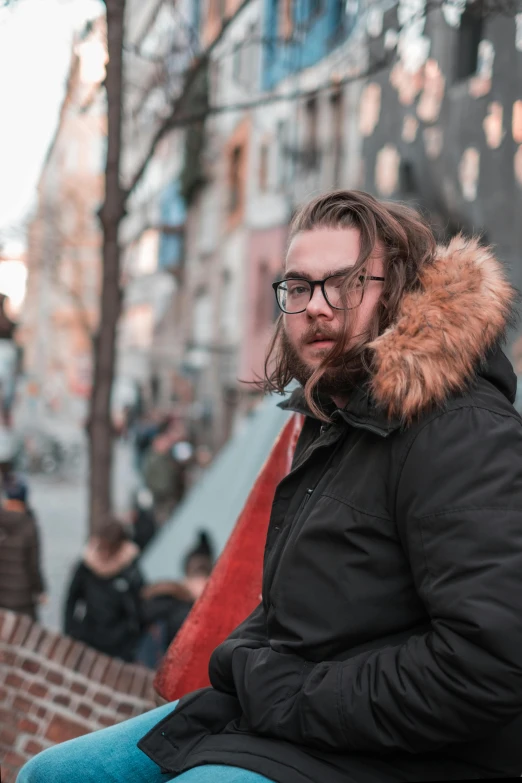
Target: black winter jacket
[(103, 607), (388, 644)]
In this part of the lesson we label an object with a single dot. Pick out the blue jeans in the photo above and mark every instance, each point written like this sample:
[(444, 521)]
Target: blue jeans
[(111, 756)]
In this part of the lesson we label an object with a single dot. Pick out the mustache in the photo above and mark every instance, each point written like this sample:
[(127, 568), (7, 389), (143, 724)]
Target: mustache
[(313, 332)]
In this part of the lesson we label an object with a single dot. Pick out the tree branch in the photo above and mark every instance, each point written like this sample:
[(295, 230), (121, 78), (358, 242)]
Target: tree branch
[(167, 124)]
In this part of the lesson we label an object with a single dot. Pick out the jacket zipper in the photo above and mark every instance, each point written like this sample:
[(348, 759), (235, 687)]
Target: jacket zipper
[(290, 526)]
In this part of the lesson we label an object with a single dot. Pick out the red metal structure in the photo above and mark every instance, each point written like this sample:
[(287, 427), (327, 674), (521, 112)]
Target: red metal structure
[(234, 589)]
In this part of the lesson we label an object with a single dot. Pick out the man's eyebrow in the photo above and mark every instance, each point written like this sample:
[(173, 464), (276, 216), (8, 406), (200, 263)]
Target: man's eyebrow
[(329, 273)]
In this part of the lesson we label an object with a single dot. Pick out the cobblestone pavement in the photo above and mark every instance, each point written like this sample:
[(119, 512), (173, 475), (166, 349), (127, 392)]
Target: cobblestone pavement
[(60, 505)]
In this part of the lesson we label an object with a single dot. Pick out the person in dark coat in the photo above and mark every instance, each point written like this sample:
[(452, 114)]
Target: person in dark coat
[(103, 607), (387, 645), (167, 604), (22, 586)]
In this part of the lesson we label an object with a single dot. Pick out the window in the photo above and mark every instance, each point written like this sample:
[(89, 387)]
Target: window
[(236, 160), (470, 35), (336, 103), (263, 167), (310, 157)]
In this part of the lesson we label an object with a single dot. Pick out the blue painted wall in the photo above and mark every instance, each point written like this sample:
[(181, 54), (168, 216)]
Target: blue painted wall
[(319, 26)]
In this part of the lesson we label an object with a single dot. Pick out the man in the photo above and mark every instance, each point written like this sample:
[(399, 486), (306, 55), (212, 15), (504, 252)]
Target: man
[(388, 643), (164, 475)]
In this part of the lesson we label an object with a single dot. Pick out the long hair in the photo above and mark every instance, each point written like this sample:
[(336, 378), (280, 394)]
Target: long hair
[(408, 245)]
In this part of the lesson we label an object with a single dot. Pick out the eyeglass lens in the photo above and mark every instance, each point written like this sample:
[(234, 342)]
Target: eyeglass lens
[(294, 295)]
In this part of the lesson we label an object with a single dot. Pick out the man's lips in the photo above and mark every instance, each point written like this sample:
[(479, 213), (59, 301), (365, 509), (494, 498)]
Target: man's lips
[(320, 340)]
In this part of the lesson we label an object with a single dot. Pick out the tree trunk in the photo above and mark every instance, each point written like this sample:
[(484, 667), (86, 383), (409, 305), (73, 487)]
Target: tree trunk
[(111, 214)]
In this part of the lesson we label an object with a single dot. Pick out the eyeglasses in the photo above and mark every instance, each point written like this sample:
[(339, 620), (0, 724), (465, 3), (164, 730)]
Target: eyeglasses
[(294, 293)]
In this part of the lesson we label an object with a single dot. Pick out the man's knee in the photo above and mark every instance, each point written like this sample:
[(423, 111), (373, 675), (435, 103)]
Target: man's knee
[(42, 768)]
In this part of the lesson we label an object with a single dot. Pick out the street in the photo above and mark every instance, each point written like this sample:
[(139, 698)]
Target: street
[(61, 508)]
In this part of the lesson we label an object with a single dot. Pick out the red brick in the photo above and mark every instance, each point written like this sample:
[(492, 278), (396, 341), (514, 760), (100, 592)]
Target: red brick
[(38, 690), (142, 681), (79, 688), (61, 650), (107, 720), (55, 677), (22, 704), (124, 681), (32, 747), (102, 698), (8, 623), (14, 680), (100, 668), (6, 716), (9, 774), (23, 628), (48, 644), (125, 709), (35, 637), (27, 726), (8, 657), (40, 712), (62, 699), (3, 694), (14, 758), (8, 737), (84, 711), (113, 672), (88, 660), (33, 667), (61, 729), (74, 656)]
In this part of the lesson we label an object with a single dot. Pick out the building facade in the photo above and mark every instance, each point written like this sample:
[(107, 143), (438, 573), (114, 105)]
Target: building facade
[(64, 241)]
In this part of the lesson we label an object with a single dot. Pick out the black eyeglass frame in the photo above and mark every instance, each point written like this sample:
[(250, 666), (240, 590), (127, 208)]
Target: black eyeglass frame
[(313, 283)]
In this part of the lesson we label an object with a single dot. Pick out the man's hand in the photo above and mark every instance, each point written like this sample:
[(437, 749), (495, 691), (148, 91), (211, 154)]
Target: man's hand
[(268, 686)]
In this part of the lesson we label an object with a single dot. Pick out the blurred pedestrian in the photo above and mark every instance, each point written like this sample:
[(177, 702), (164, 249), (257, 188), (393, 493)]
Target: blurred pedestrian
[(202, 459), (103, 607), (143, 520), (164, 474), (21, 581), (167, 604)]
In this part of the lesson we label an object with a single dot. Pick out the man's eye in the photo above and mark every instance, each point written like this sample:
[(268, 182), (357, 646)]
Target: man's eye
[(297, 290)]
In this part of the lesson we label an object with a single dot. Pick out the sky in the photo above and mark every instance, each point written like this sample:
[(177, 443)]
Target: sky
[(35, 48)]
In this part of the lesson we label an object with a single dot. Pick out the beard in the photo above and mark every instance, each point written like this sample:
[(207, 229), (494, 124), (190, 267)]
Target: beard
[(338, 379)]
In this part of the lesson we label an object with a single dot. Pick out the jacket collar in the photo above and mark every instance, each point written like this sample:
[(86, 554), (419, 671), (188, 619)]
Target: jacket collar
[(444, 331), (360, 412)]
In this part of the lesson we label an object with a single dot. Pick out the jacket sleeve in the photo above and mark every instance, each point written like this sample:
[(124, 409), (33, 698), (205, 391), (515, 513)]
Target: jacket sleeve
[(34, 559), (252, 634), (459, 514), (74, 594)]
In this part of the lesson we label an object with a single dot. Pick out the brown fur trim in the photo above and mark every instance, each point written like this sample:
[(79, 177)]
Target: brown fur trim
[(443, 331)]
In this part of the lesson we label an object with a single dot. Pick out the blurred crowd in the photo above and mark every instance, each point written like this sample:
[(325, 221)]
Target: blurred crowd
[(109, 605)]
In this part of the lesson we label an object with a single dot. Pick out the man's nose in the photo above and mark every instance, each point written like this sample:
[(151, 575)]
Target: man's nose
[(318, 305)]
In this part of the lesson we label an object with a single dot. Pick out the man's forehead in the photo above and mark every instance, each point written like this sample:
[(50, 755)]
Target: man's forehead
[(318, 253)]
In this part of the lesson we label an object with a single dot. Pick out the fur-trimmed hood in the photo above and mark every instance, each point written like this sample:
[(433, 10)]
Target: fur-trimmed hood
[(106, 568), (444, 330)]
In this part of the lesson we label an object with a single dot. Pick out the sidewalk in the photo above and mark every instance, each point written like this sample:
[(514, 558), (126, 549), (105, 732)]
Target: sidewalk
[(61, 509)]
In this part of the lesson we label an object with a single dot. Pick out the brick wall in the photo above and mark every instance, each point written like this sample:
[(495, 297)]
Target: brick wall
[(53, 689)]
